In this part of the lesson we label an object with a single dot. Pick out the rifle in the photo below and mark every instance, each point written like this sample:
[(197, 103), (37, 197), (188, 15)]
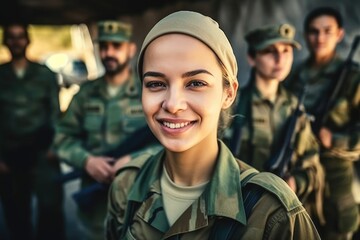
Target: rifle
[(340, 82), (278, 164), (87, 196)]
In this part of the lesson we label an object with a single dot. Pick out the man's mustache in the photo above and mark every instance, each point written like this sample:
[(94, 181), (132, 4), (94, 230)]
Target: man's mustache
[(110, 59)]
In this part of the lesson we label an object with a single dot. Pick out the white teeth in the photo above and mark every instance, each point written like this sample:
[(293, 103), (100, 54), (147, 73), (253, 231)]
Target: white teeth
[(176, 125)]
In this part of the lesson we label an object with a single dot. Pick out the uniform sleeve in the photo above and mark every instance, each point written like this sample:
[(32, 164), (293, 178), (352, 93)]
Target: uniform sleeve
[(68, 142), (54, 91), (295, 225), (346, 127), (308, 171), (117, 203), (307, 168), (279, 215)]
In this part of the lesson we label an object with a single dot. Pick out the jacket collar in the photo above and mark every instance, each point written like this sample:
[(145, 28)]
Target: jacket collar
[(222, 197)]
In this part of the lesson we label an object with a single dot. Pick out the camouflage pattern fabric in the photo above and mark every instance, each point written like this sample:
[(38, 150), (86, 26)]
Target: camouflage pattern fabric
[(276, 216), (262, 135), (29, 109), (93, 124), (343, 120)]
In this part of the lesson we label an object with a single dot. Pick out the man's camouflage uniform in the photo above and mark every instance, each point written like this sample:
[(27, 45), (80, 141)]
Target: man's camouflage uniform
[(94, 124), (343, 120), (278, 214), (263, 127), (29, 107)]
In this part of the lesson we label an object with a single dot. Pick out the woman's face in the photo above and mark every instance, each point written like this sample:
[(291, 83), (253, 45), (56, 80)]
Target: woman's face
[(273, 62), (183, 93), (323, 35)]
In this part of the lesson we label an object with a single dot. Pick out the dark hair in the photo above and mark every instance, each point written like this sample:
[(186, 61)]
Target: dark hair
[(321, 11), (8, 25)]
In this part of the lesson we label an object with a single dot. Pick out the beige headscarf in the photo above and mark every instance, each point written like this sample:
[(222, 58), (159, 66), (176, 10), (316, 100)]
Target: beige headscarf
[(200, 27)]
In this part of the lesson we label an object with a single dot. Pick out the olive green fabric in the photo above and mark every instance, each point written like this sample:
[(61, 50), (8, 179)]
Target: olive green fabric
[(113, 31), (278, 214), (29, 108), (263, 37), (262, 134), (343, 121), (200, 27), (96, 123)]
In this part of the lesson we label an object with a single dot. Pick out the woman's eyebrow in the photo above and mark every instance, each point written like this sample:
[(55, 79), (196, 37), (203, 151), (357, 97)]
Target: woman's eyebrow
[(153, 74), (187, 74), (195, 72)]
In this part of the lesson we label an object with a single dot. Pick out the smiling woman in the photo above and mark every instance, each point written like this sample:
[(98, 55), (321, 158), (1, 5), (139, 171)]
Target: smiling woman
[(194, 188)]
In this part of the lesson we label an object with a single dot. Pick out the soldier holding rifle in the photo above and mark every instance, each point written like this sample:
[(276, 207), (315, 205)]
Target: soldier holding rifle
[(334, 100), (103, 114), (265, 109)]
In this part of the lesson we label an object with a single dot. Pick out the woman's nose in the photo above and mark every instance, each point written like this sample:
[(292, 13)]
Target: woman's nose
[(174, 101)]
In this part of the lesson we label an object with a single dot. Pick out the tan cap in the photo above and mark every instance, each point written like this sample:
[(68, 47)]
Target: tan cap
[(198, 26), (113, 31), (261, 38)]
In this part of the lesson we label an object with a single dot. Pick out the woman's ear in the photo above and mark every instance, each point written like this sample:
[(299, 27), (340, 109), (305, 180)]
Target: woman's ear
[(230, 92), (340, 35)]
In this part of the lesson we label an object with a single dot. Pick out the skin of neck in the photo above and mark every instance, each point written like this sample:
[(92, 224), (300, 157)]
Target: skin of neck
[(267, 87), (192, 167), (319, 61), (19, 63), (118, 78)]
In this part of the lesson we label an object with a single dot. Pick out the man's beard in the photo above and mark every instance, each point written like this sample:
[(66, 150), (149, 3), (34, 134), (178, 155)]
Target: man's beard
[(116, 69), (18, 53)]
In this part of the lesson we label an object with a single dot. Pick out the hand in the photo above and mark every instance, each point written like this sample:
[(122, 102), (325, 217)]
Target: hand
[(291, 182), (100, 168), (325, 137), (120, 162), (4, 168)]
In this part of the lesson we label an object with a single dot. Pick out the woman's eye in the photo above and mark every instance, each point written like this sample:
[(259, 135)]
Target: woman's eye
[(196, 84), (155, 85)]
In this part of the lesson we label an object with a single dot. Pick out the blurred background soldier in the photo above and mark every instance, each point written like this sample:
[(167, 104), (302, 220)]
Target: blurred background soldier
[(29, 107), (101, 116), (336, 122), (265, 109)]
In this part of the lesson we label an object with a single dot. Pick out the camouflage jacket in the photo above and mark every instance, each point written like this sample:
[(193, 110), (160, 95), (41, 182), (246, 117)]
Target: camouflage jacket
[(277, 215), (95, 123), (343, 119), (29, 107), (262, 136)]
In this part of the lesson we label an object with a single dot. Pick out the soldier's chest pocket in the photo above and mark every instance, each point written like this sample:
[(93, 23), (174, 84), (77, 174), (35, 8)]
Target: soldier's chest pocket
[(132, 119), (261, 135), (94, 118)]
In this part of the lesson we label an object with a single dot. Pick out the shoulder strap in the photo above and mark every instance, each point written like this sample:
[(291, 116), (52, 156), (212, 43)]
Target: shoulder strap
[(226, 228)]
